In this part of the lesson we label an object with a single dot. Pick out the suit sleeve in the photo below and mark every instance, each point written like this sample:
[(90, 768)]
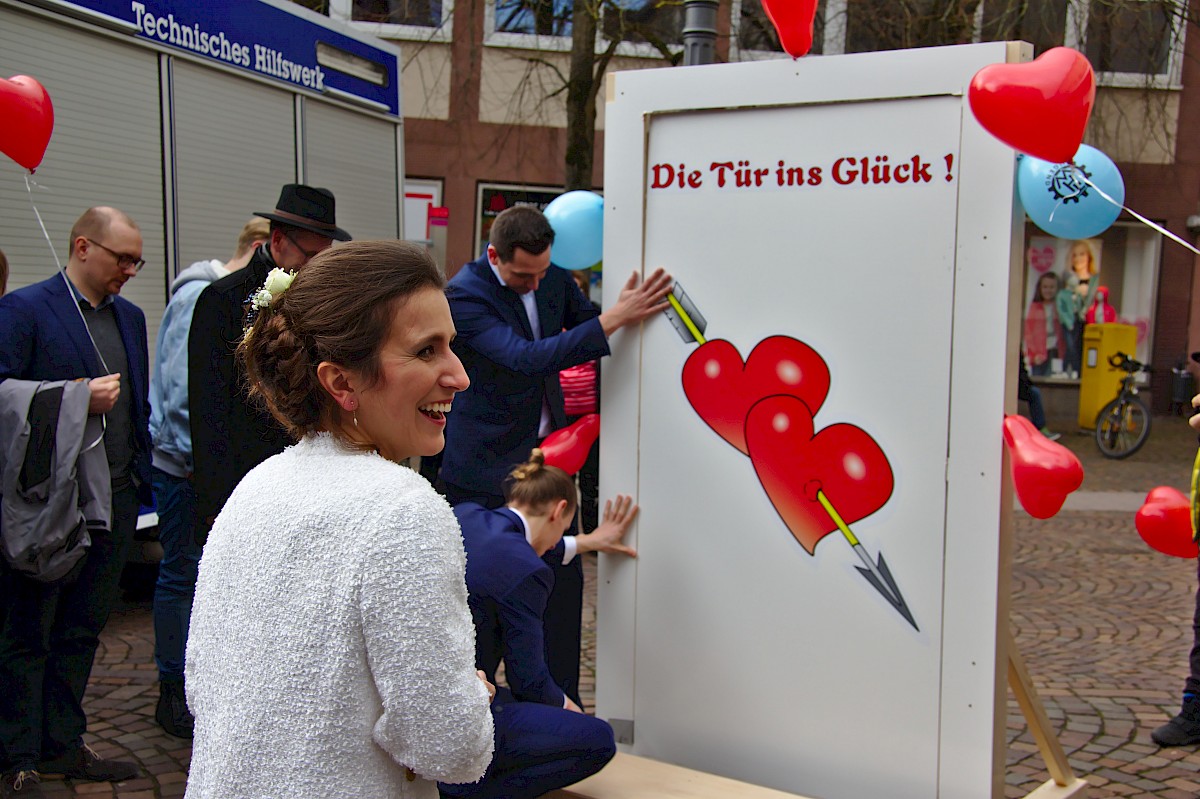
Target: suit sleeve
[(483, 330), (525, 668), (212, 380), (17, 332)]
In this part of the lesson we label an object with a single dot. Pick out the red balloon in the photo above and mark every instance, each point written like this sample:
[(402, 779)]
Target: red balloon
[(1040, 108), (26, 120), (793, 21), (1165, 522), (1044, 472), (568, 448)]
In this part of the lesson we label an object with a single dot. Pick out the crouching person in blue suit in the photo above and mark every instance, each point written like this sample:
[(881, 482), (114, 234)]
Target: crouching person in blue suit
[(544, 741)]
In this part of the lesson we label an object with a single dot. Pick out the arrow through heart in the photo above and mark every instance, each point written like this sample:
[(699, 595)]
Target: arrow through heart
[(818, 481), (764, 407)]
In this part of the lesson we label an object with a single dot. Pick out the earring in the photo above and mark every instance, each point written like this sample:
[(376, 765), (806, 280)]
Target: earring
[(355, 417)]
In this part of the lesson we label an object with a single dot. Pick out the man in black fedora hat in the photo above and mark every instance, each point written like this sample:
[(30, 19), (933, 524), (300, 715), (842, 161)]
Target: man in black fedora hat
[(230, 433)]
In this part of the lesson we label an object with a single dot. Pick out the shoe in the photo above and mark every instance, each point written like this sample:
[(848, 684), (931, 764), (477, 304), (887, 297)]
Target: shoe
[(25, 784), (1048, 433), (85, 764), (1184, 729), (172, 712)]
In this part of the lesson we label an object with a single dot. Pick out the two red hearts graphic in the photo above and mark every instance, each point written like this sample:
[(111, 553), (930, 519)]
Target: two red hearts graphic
[(764, 407)]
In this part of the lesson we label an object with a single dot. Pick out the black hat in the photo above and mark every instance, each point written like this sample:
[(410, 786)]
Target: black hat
[(307, 208)]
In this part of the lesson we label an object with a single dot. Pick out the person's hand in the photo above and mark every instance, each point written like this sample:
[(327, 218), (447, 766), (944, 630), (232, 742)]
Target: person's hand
[(637, 303), (105, 391), (609, 536), (1195, 420), (491, 689), (571, 706)]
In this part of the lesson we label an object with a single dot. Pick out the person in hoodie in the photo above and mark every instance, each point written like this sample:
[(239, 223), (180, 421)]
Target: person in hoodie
[(174, 490)]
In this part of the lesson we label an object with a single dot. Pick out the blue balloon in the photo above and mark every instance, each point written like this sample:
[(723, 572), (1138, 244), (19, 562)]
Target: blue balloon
[(578, 221), (1058, 200)]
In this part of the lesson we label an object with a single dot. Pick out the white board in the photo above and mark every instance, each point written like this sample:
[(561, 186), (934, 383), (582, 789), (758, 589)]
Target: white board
[(733, 644)]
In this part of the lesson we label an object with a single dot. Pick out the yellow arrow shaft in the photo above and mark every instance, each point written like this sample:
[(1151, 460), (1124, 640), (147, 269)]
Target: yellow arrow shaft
[(837, 519), (687, 320)]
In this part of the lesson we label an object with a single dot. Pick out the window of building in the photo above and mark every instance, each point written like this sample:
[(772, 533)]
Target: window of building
[(419, 20), (642, 27), (755, 37), (1129, 42), (1132, 38)]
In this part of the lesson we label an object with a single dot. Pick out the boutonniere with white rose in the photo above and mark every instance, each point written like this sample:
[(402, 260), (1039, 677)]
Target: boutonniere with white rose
[(276, 283)]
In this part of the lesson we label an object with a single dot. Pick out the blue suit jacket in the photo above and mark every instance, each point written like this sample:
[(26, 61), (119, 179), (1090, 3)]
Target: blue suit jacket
[(507, 589), (42, 337), (494, 423)]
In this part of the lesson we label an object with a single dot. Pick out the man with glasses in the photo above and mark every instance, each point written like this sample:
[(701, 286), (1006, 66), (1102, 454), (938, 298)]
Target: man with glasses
[(75, 326), (231, 434)]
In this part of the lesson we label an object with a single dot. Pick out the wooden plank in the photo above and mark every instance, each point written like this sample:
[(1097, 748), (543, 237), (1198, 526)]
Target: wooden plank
[(1035, 716), (632, 776)]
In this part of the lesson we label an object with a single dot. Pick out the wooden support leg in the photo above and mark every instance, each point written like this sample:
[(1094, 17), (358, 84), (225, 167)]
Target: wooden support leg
[(1063, 781)]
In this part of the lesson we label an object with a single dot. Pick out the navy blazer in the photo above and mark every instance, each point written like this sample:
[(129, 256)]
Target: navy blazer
[(507, 589), (43, 337), (494, 423)]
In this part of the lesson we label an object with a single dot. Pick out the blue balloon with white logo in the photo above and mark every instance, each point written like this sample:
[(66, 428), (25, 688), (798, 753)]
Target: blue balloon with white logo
[(578, 221), (1059, 200)]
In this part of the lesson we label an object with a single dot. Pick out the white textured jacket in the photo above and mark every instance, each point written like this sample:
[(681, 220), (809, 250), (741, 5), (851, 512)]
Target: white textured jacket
[(331, 646)]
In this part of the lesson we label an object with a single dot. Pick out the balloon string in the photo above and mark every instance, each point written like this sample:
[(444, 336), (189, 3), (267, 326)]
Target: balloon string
[(1138, 216), (29, 184)]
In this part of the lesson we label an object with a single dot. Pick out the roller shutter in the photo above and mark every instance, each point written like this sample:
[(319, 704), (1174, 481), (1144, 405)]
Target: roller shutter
[(354, 156), (235, 147), (106, 149)]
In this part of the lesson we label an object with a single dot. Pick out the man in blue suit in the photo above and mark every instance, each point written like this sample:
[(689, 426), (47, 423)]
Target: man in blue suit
[(74, 326), (520, 321)]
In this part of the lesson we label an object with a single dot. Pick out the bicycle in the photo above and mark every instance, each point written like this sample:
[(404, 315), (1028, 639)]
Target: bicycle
[(1123, 425)]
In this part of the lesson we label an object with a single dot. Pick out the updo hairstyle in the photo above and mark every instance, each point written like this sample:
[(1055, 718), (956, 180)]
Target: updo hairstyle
[(536, 486), (339, 309)]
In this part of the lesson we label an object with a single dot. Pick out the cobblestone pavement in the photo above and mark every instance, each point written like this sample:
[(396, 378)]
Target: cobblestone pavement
[(1102, 622)]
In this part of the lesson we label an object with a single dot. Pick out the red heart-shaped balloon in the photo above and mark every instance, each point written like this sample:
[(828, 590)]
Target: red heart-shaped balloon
[(722, 389), (568, 448), (1041, 259), (1165, 522), (793, 21), (841, 462), (1044, 472), (26, 120), (1040, 108)]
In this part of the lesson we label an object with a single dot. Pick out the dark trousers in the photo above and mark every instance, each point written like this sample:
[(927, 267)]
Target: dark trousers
[(539, 749), (176, 586), (1192, 686), (49, 642)]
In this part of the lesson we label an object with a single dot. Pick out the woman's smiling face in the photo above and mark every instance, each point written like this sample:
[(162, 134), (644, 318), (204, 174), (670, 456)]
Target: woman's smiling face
[(404, 412)]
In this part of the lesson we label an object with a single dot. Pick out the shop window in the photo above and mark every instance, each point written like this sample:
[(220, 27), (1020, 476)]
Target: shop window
[(1069, 284), (492, 198)]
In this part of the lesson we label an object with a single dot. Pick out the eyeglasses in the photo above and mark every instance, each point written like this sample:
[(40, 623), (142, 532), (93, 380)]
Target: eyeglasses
[(307, 253), (123, 261)]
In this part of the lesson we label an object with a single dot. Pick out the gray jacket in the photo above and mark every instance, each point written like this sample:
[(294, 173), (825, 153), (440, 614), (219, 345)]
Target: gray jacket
[(54, 484)]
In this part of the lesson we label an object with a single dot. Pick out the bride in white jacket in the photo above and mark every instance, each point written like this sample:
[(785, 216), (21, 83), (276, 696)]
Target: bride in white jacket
[(331, 651)]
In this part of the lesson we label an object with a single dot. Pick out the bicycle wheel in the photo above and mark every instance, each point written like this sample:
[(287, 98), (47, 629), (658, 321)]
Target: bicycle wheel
[(1122, 427)]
